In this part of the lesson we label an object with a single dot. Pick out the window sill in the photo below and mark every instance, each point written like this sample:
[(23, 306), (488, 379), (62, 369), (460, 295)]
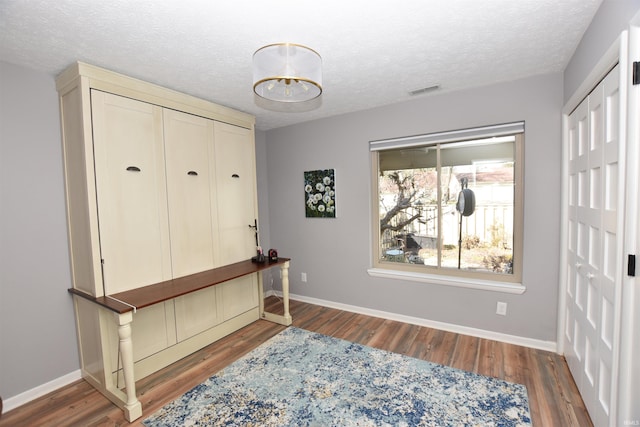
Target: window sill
[(485, 285)]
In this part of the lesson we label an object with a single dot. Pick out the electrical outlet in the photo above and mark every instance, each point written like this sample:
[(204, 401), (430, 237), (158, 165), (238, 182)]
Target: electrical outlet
[(303, 277), (501, 308)]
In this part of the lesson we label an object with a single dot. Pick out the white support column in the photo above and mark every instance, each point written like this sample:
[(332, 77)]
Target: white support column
[(260, 295), (284, 319), (132, 407), (285, 293)]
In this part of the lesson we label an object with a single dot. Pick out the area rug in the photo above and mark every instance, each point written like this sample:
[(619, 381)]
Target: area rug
[(301, 378)]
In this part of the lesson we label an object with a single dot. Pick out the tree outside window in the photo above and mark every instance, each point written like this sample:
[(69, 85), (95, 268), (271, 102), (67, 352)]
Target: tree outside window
[(423, 225)]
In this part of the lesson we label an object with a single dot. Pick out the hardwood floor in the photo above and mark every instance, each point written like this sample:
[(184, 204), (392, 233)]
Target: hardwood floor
[(553, 396)]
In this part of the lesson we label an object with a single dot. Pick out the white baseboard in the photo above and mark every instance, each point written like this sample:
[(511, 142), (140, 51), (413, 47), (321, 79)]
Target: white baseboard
[(449, 327), (41, 390), (272, 293)]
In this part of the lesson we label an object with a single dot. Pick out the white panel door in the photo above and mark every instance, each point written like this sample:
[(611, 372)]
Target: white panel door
[(608, 305), (132, 203), (189, 154), (594, 247), (578, 146), (236, 196)]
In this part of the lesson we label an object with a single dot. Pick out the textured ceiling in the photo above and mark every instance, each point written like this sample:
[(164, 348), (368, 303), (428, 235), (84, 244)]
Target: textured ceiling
[(374, 52)]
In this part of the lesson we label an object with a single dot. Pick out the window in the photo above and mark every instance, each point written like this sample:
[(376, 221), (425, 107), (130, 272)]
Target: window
[(450, 203)]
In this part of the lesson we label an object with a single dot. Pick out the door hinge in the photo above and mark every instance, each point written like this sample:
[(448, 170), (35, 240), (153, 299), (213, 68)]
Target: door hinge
[(631, 266), (636, 73)]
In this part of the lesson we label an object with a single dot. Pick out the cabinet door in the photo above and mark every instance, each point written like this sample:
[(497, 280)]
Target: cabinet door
[(196, 312), (189, 153), (130, 181), (238, 296), (236, 192), (152, 330)]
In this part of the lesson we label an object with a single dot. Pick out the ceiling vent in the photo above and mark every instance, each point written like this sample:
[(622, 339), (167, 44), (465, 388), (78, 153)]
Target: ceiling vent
[(424, 90)]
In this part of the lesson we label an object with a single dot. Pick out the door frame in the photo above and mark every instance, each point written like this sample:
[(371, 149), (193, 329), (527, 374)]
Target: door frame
[(616, 54), (628, 388), (624, 50)]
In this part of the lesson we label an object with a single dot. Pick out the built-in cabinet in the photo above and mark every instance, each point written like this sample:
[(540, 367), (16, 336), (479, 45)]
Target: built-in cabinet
[(175, 191), (160, 187)]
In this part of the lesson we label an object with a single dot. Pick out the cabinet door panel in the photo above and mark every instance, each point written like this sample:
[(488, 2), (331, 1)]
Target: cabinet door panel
[(239, 295), (189, 153), (152, 331), (130, 181), (196, 312), (236, 197)]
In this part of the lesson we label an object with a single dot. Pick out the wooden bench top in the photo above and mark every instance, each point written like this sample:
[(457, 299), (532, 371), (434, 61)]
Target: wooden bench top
[(145, 296)]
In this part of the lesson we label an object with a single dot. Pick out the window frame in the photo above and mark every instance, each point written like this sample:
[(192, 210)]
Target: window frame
[(510, 283)]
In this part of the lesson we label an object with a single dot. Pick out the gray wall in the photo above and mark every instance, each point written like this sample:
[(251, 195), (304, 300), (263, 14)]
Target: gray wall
[(37, 329), (335, 253), (612, 18)]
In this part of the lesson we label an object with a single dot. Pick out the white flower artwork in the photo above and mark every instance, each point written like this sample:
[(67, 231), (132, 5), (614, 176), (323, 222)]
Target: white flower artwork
[(320, 194)]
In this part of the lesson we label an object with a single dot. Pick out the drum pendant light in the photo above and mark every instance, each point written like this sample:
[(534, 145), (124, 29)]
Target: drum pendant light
[(287, 72)]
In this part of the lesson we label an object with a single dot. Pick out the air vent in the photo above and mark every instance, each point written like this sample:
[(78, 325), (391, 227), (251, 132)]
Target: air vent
[(424, 90)]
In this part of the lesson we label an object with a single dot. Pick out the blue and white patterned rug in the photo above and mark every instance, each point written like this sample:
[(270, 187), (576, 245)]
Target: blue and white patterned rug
[(301, 378)]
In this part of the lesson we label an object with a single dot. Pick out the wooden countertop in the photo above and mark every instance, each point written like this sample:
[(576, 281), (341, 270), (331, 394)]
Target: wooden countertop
[(145, 296)]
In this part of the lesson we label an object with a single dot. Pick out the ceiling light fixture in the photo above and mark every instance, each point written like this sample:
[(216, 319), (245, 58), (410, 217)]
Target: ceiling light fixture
[(287, 72)]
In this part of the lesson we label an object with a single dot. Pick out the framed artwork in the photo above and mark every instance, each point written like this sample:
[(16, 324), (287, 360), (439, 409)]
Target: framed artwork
[(320, 193)]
